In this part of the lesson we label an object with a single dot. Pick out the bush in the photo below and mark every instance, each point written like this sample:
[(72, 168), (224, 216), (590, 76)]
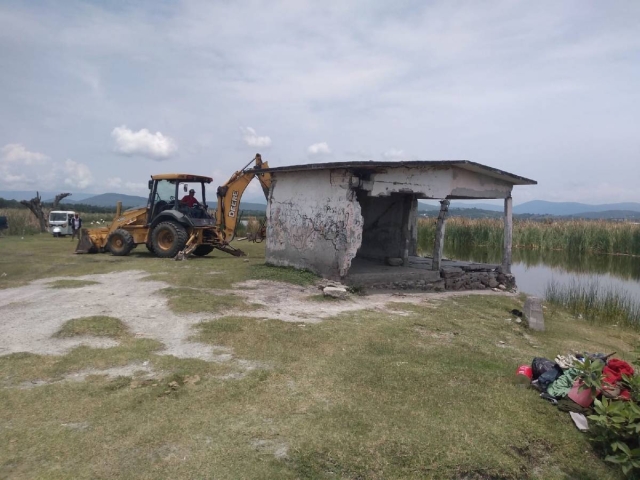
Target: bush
[(615, 426)]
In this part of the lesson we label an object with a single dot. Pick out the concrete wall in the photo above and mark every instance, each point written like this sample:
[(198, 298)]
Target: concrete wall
[(437, 182), (313, 221)]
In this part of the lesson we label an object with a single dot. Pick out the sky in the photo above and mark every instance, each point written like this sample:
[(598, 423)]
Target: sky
[(97, 96)]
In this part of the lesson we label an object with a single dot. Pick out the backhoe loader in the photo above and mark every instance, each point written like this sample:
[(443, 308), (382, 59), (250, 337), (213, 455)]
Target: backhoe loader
[(170, 226)]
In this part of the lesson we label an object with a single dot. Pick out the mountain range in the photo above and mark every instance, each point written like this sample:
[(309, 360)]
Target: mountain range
[(542, 207), (534, 207)]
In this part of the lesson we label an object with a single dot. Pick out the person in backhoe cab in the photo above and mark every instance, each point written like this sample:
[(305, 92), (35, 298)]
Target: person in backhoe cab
[(190, 200)]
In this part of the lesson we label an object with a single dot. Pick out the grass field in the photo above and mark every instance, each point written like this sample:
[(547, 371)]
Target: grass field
[(423, 389), (574, 235)]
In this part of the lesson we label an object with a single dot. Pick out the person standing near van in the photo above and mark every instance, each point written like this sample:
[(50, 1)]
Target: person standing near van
[(76, 225)]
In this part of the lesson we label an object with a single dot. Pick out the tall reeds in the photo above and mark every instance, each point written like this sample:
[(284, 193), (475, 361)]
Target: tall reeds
[(578, 236), (595, 302)]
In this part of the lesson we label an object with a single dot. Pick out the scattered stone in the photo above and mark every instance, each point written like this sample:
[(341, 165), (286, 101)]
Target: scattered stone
[(394, 261), (3, 274), (335, 292), (518, 320), (501, 342), (246, 260), (533, 313)]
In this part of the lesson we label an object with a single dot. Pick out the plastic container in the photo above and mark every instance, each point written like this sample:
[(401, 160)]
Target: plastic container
[(524, 374)]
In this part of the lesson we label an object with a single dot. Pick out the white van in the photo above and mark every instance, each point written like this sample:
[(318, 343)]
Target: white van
[(60, 222)]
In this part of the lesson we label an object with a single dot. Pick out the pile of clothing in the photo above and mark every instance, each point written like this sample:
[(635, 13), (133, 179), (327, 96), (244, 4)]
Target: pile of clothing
[(559, 382)]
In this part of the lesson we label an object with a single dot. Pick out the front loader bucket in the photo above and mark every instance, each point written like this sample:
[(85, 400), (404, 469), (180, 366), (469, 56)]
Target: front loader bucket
[(85, 245)]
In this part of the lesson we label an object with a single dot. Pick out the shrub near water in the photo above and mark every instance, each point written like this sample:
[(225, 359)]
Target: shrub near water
[(605, 305), (574, 235)]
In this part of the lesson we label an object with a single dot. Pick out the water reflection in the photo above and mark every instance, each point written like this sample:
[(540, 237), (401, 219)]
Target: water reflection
[(534, 268)]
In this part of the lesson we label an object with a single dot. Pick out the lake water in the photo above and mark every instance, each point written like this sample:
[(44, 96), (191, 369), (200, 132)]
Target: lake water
[(534, 269)]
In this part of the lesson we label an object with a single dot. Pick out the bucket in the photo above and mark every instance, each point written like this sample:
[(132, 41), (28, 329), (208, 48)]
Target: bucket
[(524, 374)]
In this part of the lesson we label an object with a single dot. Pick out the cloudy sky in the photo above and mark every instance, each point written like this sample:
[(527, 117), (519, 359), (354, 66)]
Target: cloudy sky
[(96, 96)]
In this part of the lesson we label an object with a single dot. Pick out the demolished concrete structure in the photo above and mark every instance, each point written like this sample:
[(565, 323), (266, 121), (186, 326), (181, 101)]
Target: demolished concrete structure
[(353, 220)]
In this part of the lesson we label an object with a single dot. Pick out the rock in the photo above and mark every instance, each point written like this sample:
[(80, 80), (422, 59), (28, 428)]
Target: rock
[(493, 283), (518, 320), (502, 287), (533, 312), (335, 292), (394, 261)]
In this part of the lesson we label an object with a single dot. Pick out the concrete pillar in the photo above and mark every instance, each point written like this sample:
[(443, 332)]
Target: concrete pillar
[(508, 234), (439, 243)]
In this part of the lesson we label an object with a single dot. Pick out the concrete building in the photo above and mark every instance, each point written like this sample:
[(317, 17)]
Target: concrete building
[(357, 221)]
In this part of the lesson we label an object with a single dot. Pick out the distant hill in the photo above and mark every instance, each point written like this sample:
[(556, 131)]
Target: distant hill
[(110, 200), (129, 201), (541, 207), (45, 195), (609, 215)]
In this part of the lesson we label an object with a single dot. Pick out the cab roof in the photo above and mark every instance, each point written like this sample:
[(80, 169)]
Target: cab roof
[(182, 177)]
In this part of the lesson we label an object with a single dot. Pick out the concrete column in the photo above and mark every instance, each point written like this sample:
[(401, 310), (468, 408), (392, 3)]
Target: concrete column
[(508, 234), (439, 243)]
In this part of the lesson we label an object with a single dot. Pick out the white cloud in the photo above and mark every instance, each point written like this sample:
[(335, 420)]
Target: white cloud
[(321, 148), (77, 175), (17, 153), (144, 143), (394, 154), (114, 182), (252, 139)]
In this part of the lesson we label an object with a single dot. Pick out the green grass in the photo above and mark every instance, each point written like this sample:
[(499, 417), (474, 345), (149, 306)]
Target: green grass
[(596, 303), (426, 392), (98, 326), (194, 300), (578, 236), (282, 274), (71, 283)]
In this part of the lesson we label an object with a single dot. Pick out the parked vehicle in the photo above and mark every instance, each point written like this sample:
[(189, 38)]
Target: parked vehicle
[(60, 223)]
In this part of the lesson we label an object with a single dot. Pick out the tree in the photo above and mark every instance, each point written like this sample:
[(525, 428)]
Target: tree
[(37, 208)]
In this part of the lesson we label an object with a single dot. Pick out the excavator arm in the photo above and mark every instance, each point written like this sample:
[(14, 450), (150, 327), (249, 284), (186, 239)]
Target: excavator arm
[(230, 193)]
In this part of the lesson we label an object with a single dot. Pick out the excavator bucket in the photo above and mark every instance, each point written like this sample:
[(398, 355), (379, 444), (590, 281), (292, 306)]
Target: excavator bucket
[(85, 244), (236, 252)]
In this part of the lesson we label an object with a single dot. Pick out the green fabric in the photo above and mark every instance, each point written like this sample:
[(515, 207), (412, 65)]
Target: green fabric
[(562, 385)]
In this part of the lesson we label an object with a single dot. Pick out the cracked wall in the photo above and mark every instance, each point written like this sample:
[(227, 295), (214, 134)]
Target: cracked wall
[(314, 221)]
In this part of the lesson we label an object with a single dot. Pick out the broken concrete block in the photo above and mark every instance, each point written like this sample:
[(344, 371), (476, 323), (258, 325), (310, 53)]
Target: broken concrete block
[(533, 312), (335, 292), (394, 261)]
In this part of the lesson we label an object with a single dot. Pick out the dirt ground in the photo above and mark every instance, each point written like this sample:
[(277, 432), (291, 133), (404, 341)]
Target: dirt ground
[(34, 313)]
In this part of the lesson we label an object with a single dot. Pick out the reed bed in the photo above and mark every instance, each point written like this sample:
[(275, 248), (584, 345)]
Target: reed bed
[(578, 236), (600, 304)]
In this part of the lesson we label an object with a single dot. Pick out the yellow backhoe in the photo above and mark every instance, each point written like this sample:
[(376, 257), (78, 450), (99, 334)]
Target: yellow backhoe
[(170, 225)]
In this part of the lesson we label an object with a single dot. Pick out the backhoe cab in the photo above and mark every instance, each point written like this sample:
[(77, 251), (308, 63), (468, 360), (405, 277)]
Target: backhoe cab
[(176, 219)]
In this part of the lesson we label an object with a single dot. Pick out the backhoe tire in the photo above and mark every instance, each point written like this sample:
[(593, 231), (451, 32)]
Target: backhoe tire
[(120, 243), (168, 238), (202, 250), (149, 247)]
